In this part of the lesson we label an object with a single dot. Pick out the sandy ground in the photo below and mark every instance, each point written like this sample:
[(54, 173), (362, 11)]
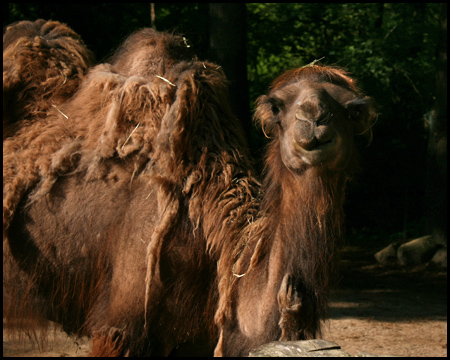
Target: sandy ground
[(407, 333), (388, 310), (381, 310)]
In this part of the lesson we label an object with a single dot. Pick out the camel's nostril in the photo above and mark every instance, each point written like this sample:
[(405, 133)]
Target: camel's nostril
[(308, 136)]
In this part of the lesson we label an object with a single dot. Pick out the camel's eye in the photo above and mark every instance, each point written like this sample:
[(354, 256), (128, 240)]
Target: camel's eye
[(276, 104), (324, 120), (275, 110), (354, 113), (356, 107)]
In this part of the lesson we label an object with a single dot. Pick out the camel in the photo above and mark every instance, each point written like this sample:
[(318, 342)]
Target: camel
[(137, 218)]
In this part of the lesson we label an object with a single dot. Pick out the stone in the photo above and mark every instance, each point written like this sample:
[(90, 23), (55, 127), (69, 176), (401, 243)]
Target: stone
[(440, 258), (304, 348), (417, 251), (387, 255)]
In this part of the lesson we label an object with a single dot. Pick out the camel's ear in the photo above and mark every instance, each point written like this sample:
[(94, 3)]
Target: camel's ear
[(362, 112), (267, 113)]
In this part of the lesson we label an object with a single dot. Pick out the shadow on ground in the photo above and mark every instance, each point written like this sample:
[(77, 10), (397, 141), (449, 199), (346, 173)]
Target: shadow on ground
[(386, 292)]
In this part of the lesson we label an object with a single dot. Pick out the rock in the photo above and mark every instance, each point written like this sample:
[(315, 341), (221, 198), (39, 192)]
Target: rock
[(417, 251), (366, 354), (440, 258), (305, 348), (387, 255)]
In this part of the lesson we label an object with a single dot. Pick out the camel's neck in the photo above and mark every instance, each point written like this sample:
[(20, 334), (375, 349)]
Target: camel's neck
[(310, 219), (289, 262), (305, 212), (288, 259), (302, 215)]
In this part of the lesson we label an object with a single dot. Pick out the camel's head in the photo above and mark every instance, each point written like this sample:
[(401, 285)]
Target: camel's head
[(315, 112)]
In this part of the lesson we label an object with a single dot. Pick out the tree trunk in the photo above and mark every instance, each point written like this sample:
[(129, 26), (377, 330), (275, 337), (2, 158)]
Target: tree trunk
[(152, 16), (227, 47), (437, 142)]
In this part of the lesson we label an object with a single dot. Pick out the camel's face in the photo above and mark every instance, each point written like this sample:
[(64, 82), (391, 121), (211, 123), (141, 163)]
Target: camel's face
[(316, 123)]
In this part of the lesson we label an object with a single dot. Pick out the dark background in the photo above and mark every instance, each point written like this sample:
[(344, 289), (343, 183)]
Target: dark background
[(397, 52)]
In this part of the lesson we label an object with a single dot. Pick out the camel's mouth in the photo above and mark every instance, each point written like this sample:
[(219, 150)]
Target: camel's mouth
[(320, 153), (325, 144)]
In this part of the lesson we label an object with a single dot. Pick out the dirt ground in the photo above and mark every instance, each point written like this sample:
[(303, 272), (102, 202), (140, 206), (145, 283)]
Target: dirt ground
[(381, 310), (388, 310)]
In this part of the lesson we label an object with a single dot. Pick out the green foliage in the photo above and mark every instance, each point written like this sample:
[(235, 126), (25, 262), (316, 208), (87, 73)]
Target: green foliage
[(378, 43), (390, 49)]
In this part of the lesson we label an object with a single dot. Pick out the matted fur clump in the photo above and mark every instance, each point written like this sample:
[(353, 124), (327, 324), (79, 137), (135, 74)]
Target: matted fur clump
[(117, 116), (132, 213), (44, 63), (167, 128)]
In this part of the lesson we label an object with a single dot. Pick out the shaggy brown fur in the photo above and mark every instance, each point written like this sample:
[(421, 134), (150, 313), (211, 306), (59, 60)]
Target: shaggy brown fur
[(44, 63), (138, 220)]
